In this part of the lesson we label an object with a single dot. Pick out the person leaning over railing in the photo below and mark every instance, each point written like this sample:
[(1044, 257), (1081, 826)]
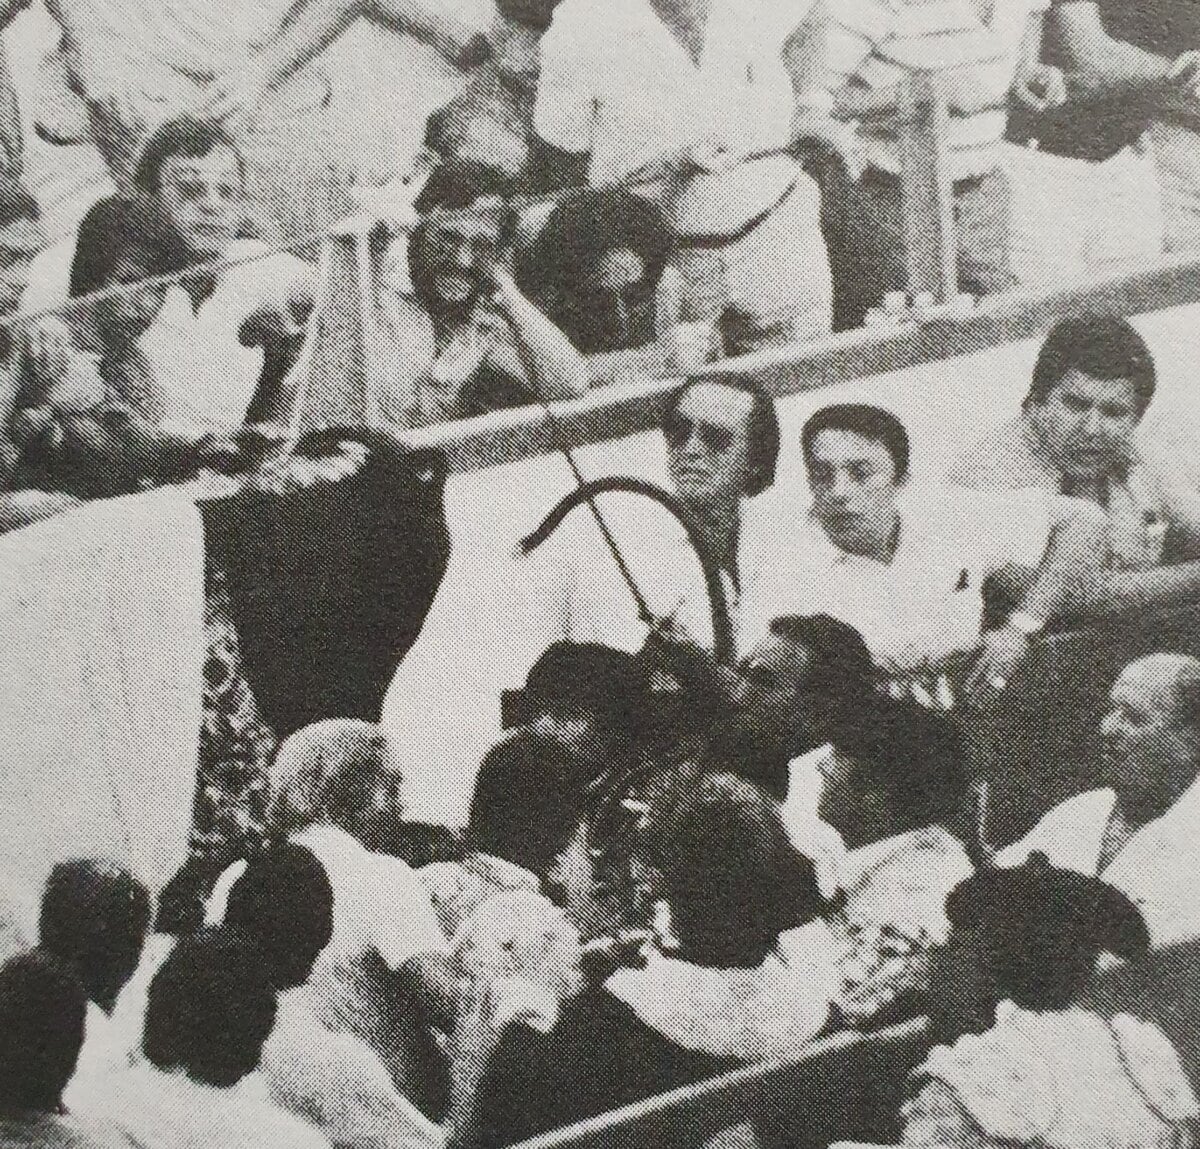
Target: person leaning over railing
[(1078, 434), (467, 340)]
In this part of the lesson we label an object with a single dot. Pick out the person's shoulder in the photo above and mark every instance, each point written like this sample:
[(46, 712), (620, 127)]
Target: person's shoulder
[(999, 459), (586, 26)]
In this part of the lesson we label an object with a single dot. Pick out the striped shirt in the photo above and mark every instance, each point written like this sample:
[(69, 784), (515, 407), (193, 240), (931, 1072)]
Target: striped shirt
[(973, 45)]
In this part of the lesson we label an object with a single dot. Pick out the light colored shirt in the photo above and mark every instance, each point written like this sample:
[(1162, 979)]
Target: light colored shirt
[(158, 1110), (104, 1052), (337, 1083), (1158, 869), (1150, 496), (923, 606), (617, 85), (974, 46), (759, 1014), (382, 918), (206, 375), (586, 599), (1059, 1079)]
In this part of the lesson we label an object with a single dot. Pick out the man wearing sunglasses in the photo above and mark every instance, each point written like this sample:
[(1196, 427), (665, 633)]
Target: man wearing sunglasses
[(722, 441)]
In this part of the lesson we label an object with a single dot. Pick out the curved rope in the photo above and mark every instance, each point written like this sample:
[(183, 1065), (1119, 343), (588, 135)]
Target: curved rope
[(586, 492)]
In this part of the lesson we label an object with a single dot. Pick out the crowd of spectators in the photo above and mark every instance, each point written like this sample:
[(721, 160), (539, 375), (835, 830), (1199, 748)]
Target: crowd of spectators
[(709, 182)]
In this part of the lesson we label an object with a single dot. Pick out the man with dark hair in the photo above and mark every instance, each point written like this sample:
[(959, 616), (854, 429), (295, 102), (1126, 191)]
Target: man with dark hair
[(468, 339), (210, 1009), (1077, 433), (908, 573), (41, 1029), (283, 905), (1139, 830), (94, 917), (722, 445)]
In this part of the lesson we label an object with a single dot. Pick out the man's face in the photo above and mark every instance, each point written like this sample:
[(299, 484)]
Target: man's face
[(573, 728), (854, 487), (204, 200), (708, 445), (1087, 424), (458, 252), (1149, 753)]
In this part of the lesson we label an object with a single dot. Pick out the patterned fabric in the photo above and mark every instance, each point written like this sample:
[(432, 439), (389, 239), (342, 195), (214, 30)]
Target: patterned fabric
[(236, 744)]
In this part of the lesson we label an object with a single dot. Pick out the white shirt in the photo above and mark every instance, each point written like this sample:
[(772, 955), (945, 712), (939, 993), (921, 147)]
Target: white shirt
[(103, 1053), (585, 598), (381, 912), (158, 1110), (617, 84), (816, 839), (338, 1083), (205, 373), (924, 605), (1158, 869)]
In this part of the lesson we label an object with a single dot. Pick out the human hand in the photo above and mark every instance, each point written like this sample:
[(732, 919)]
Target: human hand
[(1040, 88), (234, 97), (48, 348), (1183, 77), (1001, 654)]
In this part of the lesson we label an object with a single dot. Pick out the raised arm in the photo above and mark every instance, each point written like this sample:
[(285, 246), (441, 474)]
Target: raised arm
[(312, 25), (555, 369)]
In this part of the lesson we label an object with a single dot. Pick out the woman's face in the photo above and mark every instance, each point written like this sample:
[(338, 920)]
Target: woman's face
[(126, 316)]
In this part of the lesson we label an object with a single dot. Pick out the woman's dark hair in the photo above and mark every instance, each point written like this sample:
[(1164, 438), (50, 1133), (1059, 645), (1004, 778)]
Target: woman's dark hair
[(210, 1008), (94, 918), (534, 13), (184, 136), (728, 870), (912, 756), (870, 422), (553, 268), (764, 433), (1041, 929), (42, 1011), (1103, 346), (283, 904), (115, 230), (527, 803)]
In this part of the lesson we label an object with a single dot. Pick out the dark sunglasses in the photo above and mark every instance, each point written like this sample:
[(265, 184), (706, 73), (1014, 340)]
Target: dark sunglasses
[(678, 430)]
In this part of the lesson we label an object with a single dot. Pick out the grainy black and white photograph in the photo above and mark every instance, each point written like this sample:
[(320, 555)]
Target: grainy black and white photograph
[(599, 574)]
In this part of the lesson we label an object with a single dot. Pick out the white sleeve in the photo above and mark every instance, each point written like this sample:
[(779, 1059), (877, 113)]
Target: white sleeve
[(406, 924), (218, 900), (564, 113)]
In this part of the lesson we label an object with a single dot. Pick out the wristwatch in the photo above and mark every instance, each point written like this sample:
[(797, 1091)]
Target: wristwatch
[(1027, 624)]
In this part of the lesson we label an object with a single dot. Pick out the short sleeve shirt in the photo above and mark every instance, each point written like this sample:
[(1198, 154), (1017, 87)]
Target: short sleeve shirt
[(617, 85), (926, 604)]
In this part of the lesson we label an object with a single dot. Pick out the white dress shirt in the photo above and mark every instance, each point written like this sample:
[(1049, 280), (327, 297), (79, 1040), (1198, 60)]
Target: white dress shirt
[(926, 603), (1158, 869)]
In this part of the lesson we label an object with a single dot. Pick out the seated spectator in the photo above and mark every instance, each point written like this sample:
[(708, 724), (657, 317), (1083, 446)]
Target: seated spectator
[(895, 790), (595, 267), (94, 919), (42, 1008), (283, 905), (1035, 1069), (1139, 831), (702, 109), (751, 978), (721, 437), (908, 573), (89, 417), (386, 941), (490, 121), (1077, 433), (469, 340), (210, 1010), (191, 183)]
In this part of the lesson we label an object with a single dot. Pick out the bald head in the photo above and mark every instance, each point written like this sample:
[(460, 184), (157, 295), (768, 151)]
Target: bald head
[(337, 770), (1151, 733)]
